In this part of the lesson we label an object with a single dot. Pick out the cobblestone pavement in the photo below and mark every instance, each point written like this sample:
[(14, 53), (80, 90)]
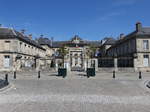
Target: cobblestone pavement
[(76, 93)]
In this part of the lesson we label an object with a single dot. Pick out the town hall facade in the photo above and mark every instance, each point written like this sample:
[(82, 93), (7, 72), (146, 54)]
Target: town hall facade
[(19, 51)]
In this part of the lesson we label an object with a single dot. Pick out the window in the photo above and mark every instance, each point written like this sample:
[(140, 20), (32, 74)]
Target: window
[(6, 61), (76, 61), (7, 41), (145, 44), (146, 60), (76, 55), (7, 56), (7, 45)]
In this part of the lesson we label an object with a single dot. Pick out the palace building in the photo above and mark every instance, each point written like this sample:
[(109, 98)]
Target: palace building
[(19, 51), (78, 54), (133, 50)]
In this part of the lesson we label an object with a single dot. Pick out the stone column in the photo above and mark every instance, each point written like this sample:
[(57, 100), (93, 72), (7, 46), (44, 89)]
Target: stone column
[(73, 62), (37, 64), (14, 63), (89, 63), (78, 64), (135, 64), (66, 64), (116, 63), (85, 64), (96, 64), (17, 66), (56, 66)]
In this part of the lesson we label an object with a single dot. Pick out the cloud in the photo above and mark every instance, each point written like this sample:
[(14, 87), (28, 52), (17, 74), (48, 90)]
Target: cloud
[(124, 2), (109, 15)]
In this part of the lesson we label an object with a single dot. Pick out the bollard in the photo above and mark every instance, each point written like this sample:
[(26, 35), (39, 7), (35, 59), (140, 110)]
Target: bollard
[(114, 74), (39, 74), (6, 79), (15, 75), (140, 75), (88, 76)]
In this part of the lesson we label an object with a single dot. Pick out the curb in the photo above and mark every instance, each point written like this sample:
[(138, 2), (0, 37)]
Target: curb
[(5, 88), (145, 85)]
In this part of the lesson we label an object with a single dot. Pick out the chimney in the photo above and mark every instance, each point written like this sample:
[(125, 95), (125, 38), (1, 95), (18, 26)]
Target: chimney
[(30, 36), (121, 36), (23, 31), (138, 26)]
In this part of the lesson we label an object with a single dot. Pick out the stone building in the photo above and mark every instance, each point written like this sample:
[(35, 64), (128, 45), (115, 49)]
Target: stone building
[(105, 61), (133, 50), (18, 51), (106, 43), (79, 55), (46, 43)]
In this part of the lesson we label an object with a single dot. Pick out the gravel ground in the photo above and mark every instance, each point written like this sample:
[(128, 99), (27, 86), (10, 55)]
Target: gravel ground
[(76, 93)]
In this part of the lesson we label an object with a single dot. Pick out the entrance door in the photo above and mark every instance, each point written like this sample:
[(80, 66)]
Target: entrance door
[(6, 61), (76, 61), (146, 60)]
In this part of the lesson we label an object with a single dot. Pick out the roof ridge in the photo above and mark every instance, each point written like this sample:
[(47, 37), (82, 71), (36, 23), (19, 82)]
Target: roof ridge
[(13, 31)]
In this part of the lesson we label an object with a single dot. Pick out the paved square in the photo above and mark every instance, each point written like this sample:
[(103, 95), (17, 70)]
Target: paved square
[(76, 93)]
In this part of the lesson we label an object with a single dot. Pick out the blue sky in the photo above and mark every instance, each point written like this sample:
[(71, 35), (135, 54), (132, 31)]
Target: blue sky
[(62, 19)]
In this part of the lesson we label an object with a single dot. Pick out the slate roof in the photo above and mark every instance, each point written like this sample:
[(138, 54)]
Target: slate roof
[(44, 41), (145, 31), (109, 41), (57, 44), (93, 43), (7, 33)]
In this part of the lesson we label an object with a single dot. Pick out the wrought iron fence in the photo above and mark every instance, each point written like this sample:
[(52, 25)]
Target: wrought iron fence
[(106, 62)]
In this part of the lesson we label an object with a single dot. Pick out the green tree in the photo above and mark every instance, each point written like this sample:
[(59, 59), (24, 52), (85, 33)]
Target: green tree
[(91, 51), (63, 51)]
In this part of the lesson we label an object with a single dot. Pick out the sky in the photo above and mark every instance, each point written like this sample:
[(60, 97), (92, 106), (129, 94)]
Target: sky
[(62, 19)]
